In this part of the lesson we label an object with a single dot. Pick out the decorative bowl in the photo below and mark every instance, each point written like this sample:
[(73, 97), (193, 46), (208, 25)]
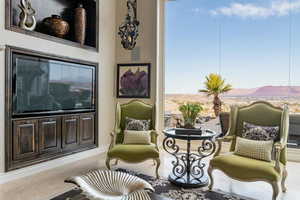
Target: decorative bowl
[(56, 26), (112, 185)]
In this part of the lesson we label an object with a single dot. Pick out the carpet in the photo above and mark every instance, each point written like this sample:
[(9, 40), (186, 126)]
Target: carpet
[(165, 189)]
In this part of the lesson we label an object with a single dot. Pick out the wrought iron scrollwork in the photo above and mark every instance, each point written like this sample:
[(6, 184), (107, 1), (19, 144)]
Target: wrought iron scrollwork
[(188, 166), (170, 145), (207, 148), (179, 164)]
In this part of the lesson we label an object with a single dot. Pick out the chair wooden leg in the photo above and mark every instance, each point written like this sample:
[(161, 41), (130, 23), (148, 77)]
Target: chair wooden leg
[(284, 176), (107, 162), (116, 162), (276, 188), (157, 167), (154, 162), (211, 184)]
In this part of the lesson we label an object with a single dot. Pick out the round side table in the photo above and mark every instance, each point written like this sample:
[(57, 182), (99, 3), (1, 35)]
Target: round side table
[(188, 168)]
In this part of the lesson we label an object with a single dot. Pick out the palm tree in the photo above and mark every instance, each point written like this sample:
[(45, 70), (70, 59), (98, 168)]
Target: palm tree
[(214, 86)]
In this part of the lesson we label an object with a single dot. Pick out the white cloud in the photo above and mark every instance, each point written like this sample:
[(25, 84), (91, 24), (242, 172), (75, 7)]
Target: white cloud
[(196, 10), (276, 8)]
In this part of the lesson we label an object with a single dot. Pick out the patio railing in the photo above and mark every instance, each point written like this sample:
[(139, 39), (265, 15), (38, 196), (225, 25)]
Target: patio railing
[(215, 125)]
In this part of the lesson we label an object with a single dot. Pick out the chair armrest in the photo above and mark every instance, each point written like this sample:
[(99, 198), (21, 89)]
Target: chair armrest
[(278, 146), (227, 138), (154, 136), (220, 140)]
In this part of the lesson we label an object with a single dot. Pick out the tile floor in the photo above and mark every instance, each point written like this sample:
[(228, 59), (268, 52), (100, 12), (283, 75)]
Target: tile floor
[(45, 185)]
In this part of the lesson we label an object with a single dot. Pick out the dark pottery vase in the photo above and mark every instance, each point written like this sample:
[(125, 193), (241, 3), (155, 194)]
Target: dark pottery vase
[(56, 26), (80, 24)]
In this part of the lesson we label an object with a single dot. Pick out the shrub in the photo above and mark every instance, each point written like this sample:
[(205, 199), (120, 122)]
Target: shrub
[(190, 111)]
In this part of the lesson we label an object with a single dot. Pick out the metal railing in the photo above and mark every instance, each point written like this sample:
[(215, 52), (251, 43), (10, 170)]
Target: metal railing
[(215, 125)]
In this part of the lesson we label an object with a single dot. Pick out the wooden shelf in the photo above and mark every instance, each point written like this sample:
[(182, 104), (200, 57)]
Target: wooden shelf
[(51, 38), (64, 8)]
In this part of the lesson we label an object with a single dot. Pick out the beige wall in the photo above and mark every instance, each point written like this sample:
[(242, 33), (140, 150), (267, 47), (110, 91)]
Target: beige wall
[(160, 72), (146, 48), (106, 59)]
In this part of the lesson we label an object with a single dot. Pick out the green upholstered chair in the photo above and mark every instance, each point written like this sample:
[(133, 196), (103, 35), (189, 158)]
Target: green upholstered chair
[(247, 169), (133, 153)]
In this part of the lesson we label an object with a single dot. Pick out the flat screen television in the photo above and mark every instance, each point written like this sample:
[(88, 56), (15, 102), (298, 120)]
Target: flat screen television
[(42, 85)]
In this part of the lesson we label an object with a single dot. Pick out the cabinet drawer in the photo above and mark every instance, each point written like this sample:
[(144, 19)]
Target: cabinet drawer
[(70, 132), (50, 135), (25, 139), (87, 129)]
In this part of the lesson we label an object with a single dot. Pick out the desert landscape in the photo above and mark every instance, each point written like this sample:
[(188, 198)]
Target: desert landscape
[(277, 95)]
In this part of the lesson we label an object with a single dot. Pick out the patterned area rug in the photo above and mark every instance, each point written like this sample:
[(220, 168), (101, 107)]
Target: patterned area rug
[(163, 188)]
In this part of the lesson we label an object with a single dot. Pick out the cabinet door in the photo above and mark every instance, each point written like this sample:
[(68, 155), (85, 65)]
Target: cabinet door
[(70, 132), (50, 135), (25, 140), (87, 129)]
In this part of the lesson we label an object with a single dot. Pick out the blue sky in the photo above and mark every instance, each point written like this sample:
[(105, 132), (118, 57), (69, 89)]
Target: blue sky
[(255, 37)]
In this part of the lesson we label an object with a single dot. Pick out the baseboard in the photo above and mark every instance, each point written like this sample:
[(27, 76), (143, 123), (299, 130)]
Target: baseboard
[(28, 171)]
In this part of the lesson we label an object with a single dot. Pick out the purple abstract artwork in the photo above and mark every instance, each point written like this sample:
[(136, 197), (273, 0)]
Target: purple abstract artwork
[(133, 81)]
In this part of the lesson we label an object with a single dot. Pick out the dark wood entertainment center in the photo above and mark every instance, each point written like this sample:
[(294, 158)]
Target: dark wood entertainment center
[(41, 137)]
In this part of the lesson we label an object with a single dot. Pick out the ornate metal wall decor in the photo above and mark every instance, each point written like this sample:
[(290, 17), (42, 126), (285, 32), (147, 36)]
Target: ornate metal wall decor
[(27, 19), (129, 31)]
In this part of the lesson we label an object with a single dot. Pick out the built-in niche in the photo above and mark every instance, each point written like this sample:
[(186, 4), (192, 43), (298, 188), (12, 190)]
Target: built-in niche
[(63, 8)]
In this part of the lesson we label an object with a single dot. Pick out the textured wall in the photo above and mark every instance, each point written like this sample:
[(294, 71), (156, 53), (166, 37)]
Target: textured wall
[(146, 48)]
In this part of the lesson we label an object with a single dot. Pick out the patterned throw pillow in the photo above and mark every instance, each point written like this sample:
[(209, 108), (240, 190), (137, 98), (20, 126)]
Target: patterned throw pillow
[(137, 125), (137, 137), (262, 133), (260, 150)]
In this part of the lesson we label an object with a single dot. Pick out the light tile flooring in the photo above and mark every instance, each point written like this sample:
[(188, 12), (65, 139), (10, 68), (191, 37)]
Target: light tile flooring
[(48, 184)]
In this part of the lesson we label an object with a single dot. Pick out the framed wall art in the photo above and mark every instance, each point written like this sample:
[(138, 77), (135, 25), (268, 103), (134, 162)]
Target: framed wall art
[(133, 80)]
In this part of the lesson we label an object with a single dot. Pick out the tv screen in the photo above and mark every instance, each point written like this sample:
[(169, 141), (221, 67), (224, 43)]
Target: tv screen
[(44, 85)]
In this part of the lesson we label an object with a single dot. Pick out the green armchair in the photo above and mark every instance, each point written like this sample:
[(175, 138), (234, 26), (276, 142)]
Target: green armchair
[(247, 169), (133, 153)]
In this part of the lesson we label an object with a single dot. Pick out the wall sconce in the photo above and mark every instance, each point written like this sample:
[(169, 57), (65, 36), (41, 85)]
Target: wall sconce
[(129, 30)]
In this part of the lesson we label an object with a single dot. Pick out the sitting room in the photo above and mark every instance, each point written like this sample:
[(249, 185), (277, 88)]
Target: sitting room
[(149, 100)]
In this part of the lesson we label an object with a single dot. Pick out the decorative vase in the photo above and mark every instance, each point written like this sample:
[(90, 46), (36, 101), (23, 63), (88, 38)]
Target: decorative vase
[(56, 26), (80, 24), (27, 16)]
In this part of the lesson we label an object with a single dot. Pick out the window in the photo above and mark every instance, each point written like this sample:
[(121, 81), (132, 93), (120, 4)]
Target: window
[(254, 45)]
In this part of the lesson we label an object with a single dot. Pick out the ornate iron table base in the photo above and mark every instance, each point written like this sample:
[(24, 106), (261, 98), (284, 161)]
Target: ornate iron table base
[(185, 183), (188, 168)]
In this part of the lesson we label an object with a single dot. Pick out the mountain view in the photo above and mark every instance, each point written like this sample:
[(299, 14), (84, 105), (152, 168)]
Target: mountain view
[(277, 95), (267, 91)]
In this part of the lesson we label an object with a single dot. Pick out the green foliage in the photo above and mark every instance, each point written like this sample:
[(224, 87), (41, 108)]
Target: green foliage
[(190, 112), (215, 85)]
